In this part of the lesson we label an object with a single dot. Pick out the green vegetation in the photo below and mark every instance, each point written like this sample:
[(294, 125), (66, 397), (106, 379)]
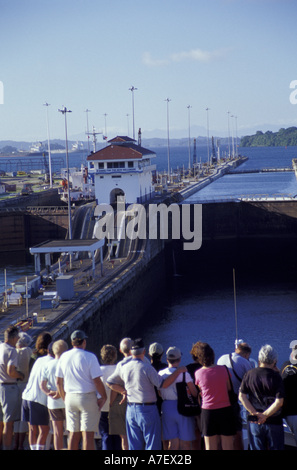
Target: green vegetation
[(282, 138)]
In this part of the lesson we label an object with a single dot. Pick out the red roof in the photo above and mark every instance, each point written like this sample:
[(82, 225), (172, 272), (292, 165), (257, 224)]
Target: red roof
[(121, 150), (121, 138)]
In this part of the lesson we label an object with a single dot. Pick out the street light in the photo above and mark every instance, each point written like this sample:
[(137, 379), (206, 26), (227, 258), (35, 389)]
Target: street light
[(132, 89), (49, 147), (228, 134), (236, 146), (168, 151), (207, 109), (189, 107), (232, 130), (64, 111)]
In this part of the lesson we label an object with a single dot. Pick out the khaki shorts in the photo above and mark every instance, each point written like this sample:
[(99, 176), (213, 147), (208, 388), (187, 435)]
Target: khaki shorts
[(117, 417), (82, 412), (57, 414)]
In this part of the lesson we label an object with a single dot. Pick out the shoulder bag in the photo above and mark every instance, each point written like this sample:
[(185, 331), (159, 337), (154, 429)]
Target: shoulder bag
[(187, 405)]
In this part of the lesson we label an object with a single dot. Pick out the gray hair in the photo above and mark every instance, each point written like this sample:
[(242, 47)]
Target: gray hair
[(267, 355), (125, 345), (24, 340)]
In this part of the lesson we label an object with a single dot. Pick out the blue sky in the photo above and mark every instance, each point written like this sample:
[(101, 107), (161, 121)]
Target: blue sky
[(225, 55)]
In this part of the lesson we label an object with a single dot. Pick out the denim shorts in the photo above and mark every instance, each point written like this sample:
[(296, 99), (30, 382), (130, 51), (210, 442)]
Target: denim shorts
[(174, 425)]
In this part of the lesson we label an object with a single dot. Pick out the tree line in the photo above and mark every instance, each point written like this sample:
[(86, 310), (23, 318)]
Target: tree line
[(284, 137)]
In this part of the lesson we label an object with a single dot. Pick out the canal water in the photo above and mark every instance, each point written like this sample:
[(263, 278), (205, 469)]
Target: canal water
[(261, 311), (195, 306)]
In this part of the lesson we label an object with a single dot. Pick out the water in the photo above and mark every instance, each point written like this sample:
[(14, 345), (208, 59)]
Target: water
[(266, 313), (195, 310), (275, 184), (58, 161), (16, 265)]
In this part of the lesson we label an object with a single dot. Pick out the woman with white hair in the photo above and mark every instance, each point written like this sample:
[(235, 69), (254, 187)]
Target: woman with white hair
[(262, 394)]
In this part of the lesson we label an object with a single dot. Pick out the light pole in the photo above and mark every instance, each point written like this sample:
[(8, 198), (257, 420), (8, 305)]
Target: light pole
[(232, 130), (132, 89), (236, 145), (207, 109), (64, 111), (49, 147), (168, 150), (228, 134), (189, 107)]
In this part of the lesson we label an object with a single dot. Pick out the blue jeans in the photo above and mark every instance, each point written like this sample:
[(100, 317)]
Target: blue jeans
[(143, 427), (266, 436), (109, 442)]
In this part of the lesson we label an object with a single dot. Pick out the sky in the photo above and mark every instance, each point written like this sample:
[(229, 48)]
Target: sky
[(216, 66)]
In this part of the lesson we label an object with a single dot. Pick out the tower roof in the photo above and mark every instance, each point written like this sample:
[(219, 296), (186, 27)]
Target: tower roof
[(121, 148)]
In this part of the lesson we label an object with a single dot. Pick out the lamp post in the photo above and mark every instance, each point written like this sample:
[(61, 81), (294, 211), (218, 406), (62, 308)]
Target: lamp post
[(207, 109), (232, 135), (49, 147), (236, 144), (64, 111), (168, 149), (228, 134), (189, 107), (132, 89)]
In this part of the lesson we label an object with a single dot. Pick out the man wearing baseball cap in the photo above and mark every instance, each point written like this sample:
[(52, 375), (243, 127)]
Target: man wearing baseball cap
[(136, 380), (79, 384)]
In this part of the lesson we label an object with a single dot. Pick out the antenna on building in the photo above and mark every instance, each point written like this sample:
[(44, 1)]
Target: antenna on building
[(94, 134), (139, 136), (132, 89)]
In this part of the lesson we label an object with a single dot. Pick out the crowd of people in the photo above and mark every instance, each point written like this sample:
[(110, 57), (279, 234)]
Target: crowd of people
[(65, 397)]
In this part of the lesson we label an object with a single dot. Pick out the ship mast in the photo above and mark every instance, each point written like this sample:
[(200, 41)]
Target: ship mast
[(94, 134)]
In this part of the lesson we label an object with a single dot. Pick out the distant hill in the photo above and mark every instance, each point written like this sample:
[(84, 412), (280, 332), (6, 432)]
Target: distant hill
[(9, 147), (282, 138)]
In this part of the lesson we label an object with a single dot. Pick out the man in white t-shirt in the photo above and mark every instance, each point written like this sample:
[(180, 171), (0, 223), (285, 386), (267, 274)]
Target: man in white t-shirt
[(79, 381)]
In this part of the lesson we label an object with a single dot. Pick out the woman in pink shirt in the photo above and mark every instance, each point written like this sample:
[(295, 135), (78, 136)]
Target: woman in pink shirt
[(217, 419)]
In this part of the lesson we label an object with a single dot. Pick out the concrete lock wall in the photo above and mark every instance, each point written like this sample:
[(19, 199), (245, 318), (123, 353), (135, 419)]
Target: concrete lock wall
[(119, 309)]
